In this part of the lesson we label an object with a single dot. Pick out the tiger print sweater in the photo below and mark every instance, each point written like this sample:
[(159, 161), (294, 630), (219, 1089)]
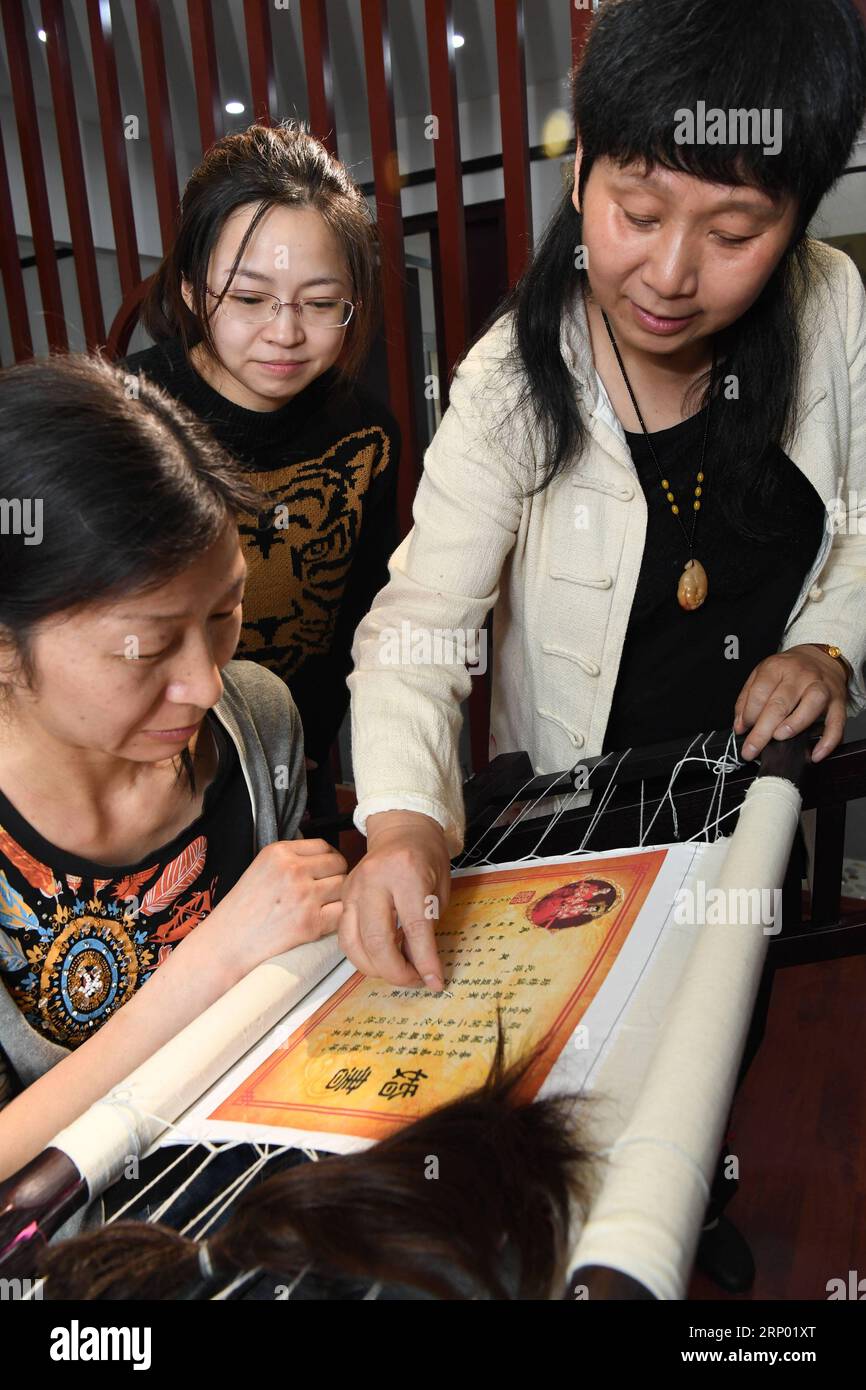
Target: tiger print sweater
[(318, 555)]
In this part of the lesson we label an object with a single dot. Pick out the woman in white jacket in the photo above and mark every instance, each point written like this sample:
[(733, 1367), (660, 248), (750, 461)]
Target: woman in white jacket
[(650, 463)]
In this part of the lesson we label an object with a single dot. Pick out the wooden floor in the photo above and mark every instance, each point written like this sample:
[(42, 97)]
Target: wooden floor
[(799, 1130)]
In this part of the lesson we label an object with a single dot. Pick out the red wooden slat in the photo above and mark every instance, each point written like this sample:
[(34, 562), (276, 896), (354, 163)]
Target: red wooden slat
[(10, 269), (260, 52), (389, 216), (449, 184), (319, 70), (158, 117), (515, 134), (27, 120), (204, 62), (581, 19), (113, 143), (454, 275), (72, 165), (125, 320)]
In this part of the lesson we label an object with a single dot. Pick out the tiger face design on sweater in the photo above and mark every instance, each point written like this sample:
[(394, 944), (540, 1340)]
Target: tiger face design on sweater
[(300, 550)]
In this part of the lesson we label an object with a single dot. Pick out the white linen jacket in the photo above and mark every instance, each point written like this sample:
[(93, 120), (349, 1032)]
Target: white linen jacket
[(561, 596)]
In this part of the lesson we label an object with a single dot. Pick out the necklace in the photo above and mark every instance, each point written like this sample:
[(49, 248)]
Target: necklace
[(693, 583)]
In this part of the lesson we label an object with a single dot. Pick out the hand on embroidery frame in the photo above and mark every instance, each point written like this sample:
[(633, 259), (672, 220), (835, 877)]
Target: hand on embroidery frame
[(786, 693)]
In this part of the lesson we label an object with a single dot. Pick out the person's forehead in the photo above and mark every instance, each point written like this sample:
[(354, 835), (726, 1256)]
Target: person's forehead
[(657, 178), (279, 225), (217, 572)]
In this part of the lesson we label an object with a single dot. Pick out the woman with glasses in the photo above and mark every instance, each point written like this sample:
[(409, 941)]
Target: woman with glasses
[(263, 314)]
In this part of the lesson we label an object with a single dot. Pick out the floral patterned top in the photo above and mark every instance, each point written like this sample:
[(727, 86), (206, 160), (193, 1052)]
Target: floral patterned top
[(78, 938)]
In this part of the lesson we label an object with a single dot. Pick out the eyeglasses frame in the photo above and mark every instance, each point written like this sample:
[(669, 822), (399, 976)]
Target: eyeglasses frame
[(296, 305)]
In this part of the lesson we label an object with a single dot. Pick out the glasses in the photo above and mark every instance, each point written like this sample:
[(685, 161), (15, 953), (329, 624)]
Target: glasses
[(259, 308)]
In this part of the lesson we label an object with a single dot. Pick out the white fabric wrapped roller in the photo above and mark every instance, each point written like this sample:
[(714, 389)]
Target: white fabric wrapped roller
[(135, 1113), (646, 1217)]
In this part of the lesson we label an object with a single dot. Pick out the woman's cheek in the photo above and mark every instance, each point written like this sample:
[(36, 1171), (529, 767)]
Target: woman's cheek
[(734, 285), (227, 645)]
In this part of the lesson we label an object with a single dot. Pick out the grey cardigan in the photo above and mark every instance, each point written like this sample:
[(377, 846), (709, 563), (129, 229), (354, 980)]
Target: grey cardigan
[(260, 716)]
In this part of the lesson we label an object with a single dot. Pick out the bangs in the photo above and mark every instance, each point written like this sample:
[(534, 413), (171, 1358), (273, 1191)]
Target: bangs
[(769, 95), (730, 165)]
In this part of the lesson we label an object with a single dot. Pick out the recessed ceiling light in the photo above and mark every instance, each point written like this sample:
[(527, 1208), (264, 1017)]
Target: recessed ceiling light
[(235, 108), (42, 35), (459, 40)]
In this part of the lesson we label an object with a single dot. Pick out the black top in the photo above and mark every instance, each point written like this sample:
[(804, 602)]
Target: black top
[(318, 554), (681, 672), (78, 938)]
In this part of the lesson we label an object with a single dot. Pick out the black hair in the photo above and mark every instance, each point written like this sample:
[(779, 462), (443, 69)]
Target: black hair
[(496, 1223), (644, 61), (132, 486)]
